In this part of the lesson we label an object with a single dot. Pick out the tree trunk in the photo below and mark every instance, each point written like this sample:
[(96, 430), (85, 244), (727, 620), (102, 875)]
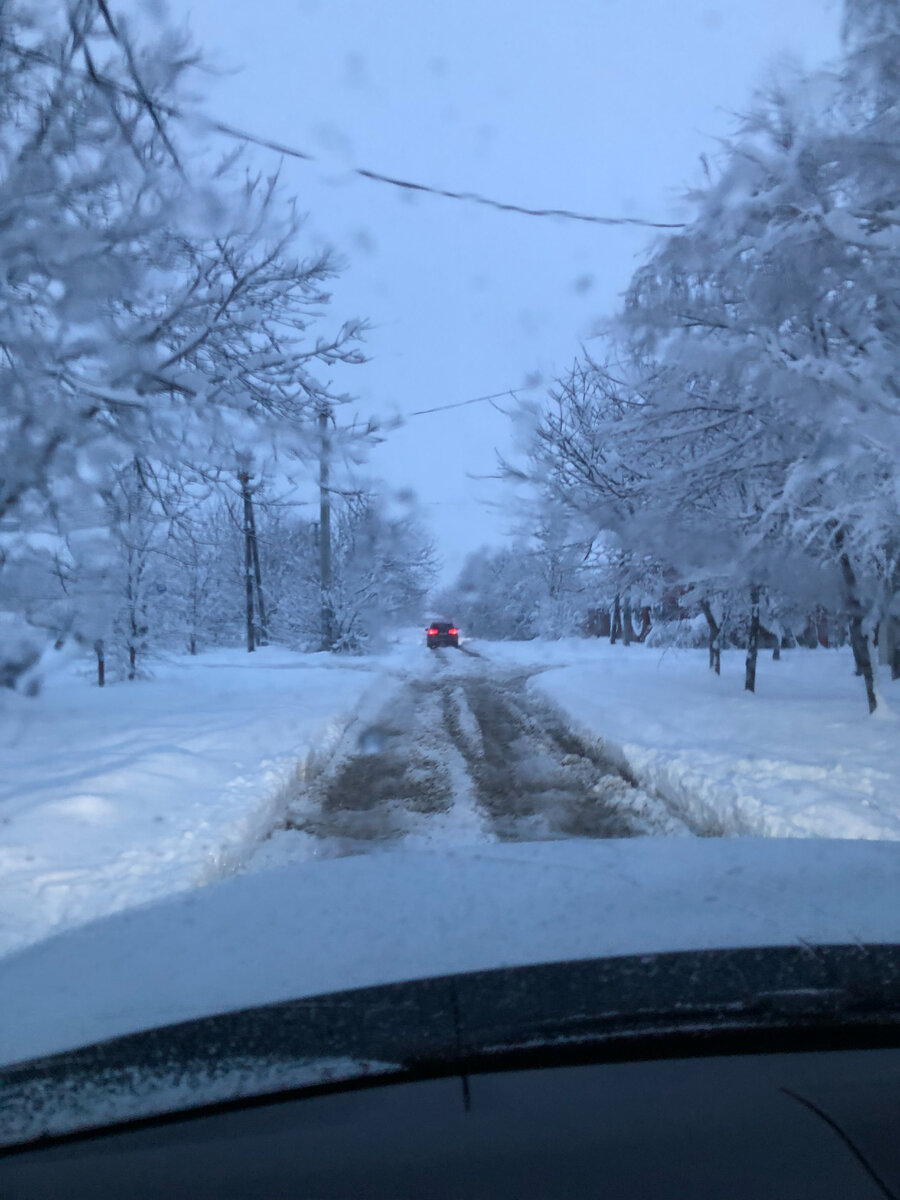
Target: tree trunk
[(646, 623), (778, 634), (858, 640), (132, 635), (821, 628), (627, 627), (715, 647), (889, 644), (615, 625), (752, 642), (327, 611), (101, 663)]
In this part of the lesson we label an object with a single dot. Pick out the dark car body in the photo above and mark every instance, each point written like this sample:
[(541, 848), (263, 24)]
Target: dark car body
[(442, 633), (574, 1018), (738, 1073)]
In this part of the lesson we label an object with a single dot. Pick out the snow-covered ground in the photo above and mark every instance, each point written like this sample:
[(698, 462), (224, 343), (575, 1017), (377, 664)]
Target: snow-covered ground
[(114, 797), (800, 758)]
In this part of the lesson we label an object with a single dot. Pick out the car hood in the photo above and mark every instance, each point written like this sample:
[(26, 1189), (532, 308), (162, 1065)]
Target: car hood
[(385, 918)]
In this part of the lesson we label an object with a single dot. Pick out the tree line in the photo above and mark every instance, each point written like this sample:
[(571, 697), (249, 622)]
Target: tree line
[(735, 440)]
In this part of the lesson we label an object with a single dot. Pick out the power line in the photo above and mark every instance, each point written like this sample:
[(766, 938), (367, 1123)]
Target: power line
[(428, 189), (422, 412), (266, 143)]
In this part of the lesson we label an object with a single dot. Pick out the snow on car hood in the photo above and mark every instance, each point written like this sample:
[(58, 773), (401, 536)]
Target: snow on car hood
[(391, 917)]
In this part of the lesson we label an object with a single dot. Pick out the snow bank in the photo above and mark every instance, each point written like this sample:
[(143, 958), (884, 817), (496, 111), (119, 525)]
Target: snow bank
[(801, 758), (118, 796)]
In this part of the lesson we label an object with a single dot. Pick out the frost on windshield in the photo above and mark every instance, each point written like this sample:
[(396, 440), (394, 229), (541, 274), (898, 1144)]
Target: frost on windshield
[(89, 1097)]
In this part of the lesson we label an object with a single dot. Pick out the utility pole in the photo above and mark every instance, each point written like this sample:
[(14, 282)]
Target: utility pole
[(327, 615), (250, 519), (244, 479)]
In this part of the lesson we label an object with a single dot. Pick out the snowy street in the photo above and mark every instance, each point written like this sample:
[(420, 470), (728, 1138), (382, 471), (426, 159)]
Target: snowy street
[(460, 752), (228, 763)]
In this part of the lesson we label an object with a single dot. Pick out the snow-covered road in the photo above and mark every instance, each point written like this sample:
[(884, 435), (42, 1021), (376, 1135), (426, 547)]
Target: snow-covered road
[(227, 762), (459, 751), (112, 798)]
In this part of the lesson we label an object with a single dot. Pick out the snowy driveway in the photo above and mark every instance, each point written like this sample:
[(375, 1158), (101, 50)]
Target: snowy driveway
[(457, 752)]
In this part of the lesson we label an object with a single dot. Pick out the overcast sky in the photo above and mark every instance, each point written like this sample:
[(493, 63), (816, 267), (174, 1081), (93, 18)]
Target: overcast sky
[(602, 106)]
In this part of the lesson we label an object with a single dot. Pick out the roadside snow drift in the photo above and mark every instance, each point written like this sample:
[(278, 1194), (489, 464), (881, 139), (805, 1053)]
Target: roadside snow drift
[(800, 758), (118, 796)]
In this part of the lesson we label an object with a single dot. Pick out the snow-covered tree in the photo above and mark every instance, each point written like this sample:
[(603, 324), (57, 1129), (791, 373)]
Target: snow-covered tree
[(748, 440), (495, 595), (540, 587), (203, 579), (383, 566), (780, 297), (146, 314)]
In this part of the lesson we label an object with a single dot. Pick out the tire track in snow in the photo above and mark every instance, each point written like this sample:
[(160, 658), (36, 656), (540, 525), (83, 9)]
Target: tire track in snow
[(461, 753)]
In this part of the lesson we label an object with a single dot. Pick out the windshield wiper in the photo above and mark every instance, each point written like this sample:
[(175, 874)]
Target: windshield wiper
[(648, 1006)]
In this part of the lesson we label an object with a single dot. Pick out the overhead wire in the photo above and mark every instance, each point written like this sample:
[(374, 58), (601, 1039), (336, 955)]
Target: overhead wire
[(424, 412), (155, 107), (431, 190)]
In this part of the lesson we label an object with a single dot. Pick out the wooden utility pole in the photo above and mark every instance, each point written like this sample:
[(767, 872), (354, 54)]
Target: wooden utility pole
[(258, 632), (327, 611), (244, 480), (250, 520)]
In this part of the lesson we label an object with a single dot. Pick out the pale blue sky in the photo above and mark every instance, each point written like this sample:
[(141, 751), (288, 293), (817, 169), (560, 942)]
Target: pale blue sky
[(596, 105)]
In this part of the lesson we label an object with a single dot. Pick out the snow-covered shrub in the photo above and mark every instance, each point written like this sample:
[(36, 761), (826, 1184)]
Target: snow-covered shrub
[(691, 633)]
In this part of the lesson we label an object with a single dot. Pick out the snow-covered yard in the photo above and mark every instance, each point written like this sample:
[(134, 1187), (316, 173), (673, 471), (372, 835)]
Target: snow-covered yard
[(800, 758), (114, 797)]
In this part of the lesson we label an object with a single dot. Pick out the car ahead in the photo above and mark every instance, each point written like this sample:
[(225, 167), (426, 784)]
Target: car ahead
[(442, 633)]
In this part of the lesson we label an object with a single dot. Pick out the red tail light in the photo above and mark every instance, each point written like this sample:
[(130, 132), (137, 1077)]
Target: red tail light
[(432, 631), (453, 632)]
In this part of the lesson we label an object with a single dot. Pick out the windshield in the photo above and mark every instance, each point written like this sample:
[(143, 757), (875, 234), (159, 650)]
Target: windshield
[(447, 466)]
